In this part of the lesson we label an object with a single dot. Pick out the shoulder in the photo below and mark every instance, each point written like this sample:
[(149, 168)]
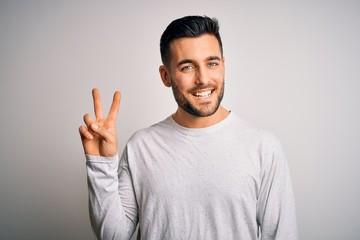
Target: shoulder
[(262, 138), (262, 145), (153, 131)]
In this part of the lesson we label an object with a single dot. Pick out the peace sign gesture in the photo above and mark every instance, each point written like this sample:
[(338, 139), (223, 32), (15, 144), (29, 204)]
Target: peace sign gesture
[(99, 137)]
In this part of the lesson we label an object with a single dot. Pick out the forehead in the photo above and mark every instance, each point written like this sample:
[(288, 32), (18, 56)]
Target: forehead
[(197, 48)]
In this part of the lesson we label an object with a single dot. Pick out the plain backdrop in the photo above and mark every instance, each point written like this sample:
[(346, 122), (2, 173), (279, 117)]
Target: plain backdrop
[(292, 67)]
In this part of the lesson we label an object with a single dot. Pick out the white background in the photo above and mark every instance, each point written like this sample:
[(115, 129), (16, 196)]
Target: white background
[(291, 68)]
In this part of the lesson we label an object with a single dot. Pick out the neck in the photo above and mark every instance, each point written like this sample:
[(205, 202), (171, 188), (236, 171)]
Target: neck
[(189, 121)]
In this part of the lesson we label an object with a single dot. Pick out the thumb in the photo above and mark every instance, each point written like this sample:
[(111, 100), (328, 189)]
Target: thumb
[(107, 134)]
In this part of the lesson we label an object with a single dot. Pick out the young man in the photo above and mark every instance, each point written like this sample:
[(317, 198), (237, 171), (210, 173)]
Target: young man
[(202, 173)]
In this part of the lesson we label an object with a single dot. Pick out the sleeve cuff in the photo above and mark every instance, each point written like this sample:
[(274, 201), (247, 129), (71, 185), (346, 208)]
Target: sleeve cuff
[(100, 159)]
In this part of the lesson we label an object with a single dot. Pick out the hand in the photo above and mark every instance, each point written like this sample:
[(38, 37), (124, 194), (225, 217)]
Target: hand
[(99, 137)]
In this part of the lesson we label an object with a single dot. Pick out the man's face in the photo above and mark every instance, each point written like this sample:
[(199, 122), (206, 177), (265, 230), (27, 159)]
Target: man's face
[(197, 74)]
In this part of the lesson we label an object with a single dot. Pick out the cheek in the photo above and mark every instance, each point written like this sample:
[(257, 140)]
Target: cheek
[(183, 81), (218, 79), (218, 75)]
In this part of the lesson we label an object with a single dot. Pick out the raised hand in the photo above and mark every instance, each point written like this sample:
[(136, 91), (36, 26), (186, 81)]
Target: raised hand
[(99, 137)]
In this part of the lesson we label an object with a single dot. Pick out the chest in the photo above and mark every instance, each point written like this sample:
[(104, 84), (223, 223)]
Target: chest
[(197, 172)]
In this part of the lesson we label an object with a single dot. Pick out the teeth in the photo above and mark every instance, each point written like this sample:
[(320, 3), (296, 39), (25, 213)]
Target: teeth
[(203, 94)]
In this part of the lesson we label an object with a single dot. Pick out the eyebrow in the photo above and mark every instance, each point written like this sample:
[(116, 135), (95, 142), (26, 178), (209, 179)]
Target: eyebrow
[(213, 58), (184, 61)]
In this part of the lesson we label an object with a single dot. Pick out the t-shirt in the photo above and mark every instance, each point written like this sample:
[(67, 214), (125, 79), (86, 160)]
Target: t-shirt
[(227, 181)]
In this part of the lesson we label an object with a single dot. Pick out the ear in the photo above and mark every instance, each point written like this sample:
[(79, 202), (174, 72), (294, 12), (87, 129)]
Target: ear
[(164, 74)]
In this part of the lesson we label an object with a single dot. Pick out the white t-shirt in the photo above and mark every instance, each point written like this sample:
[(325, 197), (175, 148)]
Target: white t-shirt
[(227, 181)]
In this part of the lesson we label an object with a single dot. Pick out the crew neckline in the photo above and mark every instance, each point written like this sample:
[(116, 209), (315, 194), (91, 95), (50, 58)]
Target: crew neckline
[(205, 130)]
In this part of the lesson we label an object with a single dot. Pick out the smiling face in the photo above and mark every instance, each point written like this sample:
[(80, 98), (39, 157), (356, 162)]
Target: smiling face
[(196, 75)]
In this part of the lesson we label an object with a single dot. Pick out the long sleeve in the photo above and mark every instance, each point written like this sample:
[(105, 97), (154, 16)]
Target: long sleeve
[(112, 204), (276, 205)]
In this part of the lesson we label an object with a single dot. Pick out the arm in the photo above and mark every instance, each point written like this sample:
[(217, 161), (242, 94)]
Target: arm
[(112, 204), (276, 206)]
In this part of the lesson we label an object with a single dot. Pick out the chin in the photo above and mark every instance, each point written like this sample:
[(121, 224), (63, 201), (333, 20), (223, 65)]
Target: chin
[(196, 112)]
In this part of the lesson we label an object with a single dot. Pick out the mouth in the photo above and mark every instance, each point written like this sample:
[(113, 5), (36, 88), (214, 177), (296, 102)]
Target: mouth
[(202, 94)]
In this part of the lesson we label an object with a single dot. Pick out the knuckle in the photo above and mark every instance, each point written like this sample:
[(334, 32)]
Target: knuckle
[(87, 119), (82, 129), (86, 116)]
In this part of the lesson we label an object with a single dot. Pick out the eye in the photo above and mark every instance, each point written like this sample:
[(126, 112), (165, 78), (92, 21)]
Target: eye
[(212, 64), (187, 68)]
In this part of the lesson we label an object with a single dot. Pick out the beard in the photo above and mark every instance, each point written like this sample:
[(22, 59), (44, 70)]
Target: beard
[(205, 109)]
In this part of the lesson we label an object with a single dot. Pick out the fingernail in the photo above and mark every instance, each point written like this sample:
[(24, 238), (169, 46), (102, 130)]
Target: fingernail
[(94, 126)]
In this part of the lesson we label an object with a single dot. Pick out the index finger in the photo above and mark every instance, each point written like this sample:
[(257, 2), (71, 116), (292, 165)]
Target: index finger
[(114, 109), (97, 103)]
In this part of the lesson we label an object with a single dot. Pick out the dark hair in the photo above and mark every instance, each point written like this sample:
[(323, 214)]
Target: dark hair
[(191, 27)]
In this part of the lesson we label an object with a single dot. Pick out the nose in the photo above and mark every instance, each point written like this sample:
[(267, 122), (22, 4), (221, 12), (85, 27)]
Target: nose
[(202, 77)]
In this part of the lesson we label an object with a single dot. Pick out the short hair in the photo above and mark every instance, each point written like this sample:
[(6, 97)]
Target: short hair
[(190, 27)]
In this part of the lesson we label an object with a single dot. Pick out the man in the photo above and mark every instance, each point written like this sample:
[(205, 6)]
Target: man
[(202, 173)]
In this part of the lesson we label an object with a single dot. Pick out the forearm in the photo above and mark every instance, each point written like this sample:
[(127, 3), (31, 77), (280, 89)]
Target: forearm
[(109, 218)]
